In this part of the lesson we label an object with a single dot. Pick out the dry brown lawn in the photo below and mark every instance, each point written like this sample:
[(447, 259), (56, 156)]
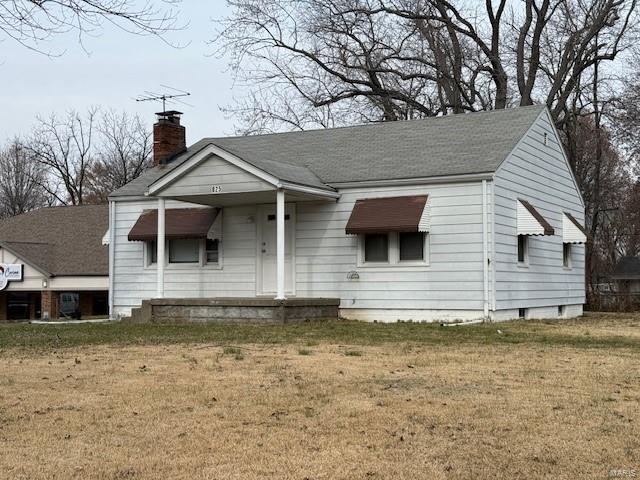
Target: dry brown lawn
[(388, 411)]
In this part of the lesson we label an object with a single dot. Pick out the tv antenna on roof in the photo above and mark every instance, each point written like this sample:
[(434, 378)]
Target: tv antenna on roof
[(164, 97)]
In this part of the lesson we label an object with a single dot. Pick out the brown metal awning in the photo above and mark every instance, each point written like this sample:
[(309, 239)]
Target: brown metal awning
[(393, 214), (179, 223)]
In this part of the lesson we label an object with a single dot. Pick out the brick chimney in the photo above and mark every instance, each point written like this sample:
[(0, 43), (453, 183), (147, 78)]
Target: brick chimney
[(169, 137)]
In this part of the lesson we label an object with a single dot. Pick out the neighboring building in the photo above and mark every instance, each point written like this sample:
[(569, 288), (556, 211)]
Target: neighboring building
[(461, 217), (626, 275), (53, 262)]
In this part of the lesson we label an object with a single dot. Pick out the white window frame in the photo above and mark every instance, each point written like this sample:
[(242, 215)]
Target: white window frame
[(394, 253), (569, 264), (524, 263)]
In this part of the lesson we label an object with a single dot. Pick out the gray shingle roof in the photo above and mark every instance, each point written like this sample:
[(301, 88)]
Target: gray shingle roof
[(61, 241), (450, 145), (627, 268)]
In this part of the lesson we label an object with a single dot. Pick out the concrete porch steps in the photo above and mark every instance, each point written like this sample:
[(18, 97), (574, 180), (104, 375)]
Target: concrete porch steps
[(233, 310)]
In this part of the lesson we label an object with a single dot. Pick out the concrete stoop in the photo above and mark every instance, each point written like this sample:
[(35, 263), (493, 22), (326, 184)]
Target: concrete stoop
[(234, 310)]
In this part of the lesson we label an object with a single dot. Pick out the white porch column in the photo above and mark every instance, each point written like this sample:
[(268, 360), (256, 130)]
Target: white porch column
[(280, 245), (160, 247)]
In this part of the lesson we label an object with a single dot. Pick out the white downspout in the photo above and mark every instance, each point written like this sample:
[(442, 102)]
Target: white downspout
[(485, 251), (280, 233), (493, 256), (112, 260), (160, 242)]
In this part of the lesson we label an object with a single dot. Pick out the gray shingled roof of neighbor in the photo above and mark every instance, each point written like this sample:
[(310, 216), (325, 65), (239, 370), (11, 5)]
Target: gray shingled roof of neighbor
[(60, 241), (470, 143), (627, 268)]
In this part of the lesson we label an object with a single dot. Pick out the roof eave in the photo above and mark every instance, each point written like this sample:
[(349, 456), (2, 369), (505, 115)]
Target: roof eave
[(26, 260)]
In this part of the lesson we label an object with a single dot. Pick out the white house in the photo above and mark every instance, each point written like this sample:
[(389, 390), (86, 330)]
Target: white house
[(470, 216)]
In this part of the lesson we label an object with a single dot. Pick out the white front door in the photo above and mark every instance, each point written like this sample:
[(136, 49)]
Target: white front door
[(267, 249)]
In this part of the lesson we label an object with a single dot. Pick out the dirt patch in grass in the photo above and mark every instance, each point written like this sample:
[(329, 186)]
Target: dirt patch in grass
[(396, 410)]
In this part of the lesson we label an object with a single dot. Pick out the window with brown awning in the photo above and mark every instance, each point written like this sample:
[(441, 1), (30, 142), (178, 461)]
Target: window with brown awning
[(392, 214), (180, 223)]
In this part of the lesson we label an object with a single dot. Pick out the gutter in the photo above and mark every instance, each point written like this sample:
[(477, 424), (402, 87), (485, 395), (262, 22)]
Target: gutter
[(467, 177)]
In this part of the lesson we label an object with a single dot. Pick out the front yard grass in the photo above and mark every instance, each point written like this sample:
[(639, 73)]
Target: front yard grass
[(594, 331), (343, 400)]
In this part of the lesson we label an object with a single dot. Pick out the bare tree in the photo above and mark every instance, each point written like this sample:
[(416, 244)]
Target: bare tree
[(123, 153), (386, 60), (626, 118), (31, 22), (22, 178), (64, 149)]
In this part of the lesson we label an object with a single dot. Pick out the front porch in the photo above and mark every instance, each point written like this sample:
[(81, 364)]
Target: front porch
[(225, 223), (218, 179), (234, 310)]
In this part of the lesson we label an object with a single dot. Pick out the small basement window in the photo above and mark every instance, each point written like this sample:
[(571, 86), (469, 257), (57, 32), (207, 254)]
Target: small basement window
[(522, 313), (566, 255), (411, 245), (184, 251), (523, 249), (376, 248)]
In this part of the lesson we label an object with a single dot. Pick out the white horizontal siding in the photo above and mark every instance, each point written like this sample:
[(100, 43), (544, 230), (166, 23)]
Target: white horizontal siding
[(538, 173), (216, 172), (133, 282), (452, 280)]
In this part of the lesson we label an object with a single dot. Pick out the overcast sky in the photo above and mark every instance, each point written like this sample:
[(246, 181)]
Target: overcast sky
[(118, 67)]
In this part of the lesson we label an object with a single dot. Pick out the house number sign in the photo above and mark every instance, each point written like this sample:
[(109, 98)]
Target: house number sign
[(216, 188)]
